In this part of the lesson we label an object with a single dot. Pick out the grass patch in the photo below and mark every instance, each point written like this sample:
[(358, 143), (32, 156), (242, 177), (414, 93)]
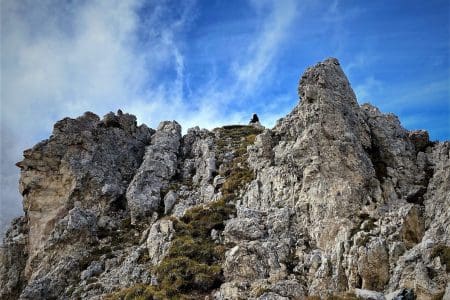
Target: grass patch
[(235, 138), (182, 275), (338, 296), (343, 296), (443, 251), (192, 265), (136, 292), (193, 261)]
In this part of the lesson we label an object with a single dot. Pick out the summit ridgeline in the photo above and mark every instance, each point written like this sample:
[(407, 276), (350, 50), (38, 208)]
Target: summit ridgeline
[(337, 201)]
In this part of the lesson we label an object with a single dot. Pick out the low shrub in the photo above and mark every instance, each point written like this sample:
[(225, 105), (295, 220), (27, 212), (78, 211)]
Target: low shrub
[(192, 264), (443, 251)]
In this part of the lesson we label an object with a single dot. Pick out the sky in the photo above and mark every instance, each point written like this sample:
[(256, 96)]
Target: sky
[(210, 63)]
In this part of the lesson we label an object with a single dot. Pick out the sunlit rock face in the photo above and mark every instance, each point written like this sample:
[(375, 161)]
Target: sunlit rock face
[(159, 165), (338, 199)]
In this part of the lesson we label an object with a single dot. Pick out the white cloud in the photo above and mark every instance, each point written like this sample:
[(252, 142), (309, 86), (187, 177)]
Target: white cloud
[(205, 107), (60, 59), (263, 50), (423, 91), (360, 61), (365, 90)]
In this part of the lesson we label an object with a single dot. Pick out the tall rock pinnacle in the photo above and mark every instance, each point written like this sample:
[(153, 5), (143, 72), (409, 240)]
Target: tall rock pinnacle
[(324, 79), (337, 200), (328, 104), (328, 134)]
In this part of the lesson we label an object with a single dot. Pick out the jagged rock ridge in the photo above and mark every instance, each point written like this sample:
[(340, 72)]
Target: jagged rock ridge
[(337, 200)]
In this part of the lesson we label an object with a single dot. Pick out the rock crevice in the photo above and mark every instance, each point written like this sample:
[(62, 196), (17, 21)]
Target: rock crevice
[(337, 200)]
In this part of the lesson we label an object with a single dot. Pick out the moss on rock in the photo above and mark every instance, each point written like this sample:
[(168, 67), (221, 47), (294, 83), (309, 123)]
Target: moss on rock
[(192, 265)]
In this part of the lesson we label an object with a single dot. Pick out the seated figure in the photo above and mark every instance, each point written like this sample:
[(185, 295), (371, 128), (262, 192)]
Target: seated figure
[(254, 119)]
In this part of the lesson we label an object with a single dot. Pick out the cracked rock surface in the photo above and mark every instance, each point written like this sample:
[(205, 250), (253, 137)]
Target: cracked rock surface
[(338, 199)]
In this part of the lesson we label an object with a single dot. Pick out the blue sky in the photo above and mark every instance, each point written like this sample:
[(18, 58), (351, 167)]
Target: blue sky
[(210, 63)]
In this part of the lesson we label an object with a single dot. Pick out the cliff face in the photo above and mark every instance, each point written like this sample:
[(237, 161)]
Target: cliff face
[(336, 199)]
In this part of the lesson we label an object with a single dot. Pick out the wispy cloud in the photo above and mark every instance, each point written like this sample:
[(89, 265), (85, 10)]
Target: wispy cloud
[(255, 65), (62, 58), (365, 90), (423, 91), (361, 61), (188, 61), (261, 52), (337, 19), (207, 105)]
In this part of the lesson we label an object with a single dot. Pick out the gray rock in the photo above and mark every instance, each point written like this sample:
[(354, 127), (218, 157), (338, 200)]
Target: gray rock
[(158, 241), (420, 139), (79, 173), (341, 198), (94, 269), (169, 201), (369, 295), (159, 166), (244, 229), (13, 257), (272, 296), (218, 181), (402, 294)]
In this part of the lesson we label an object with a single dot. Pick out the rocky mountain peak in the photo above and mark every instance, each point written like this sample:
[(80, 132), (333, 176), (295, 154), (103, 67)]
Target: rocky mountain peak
[(337, 201), (326, 77), (327, 107)]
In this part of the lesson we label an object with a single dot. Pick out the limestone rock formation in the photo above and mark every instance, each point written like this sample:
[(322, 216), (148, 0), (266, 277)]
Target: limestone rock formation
[(337, 200), (158, 167)]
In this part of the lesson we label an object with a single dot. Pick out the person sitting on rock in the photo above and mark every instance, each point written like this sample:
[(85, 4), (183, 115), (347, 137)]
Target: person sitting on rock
[(254, 119)]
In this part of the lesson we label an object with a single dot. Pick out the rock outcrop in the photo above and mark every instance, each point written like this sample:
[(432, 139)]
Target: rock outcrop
[(155, 172), (337, 200)]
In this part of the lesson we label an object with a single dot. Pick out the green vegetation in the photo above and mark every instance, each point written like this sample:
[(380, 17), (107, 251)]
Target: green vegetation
[(357, 228), (236, 138), (343, 296), (192, 265), (137, 292), (443, 251), (193, 260), (339, 296)]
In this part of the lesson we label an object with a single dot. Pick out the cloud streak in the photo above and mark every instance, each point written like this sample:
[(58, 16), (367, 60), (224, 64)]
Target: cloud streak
[(60, 59), (206, 63), (63, 58), (207, 105), (264, 49)]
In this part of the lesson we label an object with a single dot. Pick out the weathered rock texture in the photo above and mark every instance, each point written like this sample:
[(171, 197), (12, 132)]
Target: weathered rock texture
[(336, 200), (158, 167)]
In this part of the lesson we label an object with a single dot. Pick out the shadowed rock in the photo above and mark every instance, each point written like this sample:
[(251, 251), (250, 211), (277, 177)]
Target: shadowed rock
[(338, 199)]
